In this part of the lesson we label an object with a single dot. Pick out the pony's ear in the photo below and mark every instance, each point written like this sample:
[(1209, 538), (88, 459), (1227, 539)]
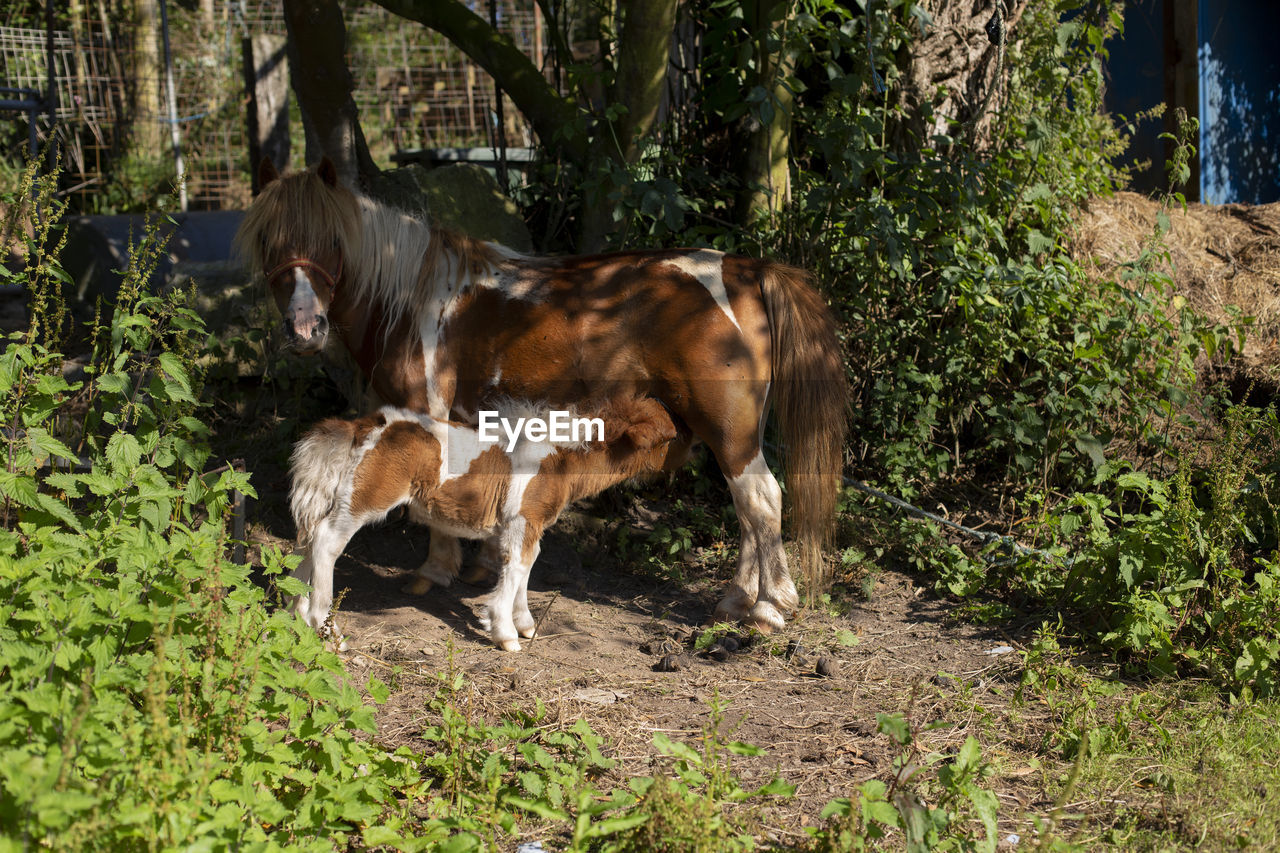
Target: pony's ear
[(327, 171), (266, 172)]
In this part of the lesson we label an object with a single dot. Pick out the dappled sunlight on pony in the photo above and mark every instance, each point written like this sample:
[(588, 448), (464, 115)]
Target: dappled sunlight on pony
[(441, 324), (350, 473)]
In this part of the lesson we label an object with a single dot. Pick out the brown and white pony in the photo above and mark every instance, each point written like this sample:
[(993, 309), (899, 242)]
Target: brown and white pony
[(439, 323), (348, 474)]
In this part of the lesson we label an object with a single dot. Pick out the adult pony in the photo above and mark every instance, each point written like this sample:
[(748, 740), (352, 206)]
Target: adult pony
[(439, 323)]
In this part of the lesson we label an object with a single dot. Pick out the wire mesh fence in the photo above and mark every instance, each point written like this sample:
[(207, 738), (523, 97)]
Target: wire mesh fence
[(412, 87)]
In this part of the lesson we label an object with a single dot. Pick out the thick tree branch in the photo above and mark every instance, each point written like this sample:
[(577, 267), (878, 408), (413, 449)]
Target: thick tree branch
[(497, 54)]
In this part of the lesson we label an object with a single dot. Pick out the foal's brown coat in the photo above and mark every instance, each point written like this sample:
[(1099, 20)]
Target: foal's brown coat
[(347, 474)]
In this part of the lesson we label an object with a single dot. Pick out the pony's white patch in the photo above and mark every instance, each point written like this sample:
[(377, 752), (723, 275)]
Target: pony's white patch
[(707, 266), (758, 490), (323, 474), (304, 305), (459, 447), (520, 285), (430, 331)]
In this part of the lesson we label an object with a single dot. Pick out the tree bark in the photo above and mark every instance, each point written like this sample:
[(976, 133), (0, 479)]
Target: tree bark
[(643, 54), (644, 51), (266, 82), (148, 135), (323, 84), (949, 73), (766, 169)]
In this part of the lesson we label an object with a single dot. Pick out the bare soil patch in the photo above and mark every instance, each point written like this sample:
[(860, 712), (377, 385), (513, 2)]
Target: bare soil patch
[(604, 631)]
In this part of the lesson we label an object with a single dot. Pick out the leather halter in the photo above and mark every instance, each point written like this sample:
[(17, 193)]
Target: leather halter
[(331, 281)]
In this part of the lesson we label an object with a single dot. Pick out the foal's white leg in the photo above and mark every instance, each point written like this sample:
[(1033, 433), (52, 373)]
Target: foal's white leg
[(511, 593), (762, 593), (524, 621), (327, 541)]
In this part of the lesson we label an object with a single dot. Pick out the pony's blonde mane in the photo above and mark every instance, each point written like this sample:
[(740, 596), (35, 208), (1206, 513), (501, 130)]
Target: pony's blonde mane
[(395, 258)]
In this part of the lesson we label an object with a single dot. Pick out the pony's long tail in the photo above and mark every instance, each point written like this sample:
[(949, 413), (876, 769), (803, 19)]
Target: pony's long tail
[(811, 401), (322, 461)]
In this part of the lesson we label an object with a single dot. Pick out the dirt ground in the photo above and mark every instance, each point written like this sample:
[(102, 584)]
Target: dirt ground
[(603, 631)]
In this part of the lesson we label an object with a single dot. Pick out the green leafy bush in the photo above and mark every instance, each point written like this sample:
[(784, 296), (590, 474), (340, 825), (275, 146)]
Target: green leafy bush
[(1173, 573), (149, 698)]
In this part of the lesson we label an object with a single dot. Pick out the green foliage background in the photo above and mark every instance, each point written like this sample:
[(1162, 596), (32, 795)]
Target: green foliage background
[(151, 694)]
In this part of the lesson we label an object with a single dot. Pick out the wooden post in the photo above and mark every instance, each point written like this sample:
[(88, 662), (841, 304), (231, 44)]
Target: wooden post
[(266, 84), (1182, 78)]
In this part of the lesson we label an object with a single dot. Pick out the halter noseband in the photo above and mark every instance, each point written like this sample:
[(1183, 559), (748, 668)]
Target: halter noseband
[(331, 281)]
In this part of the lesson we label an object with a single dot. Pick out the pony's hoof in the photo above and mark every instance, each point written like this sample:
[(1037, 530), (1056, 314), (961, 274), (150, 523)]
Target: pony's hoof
[(418, 586), (509, 645), (528, 633), (765, 618), (477, 574), (732, 609)]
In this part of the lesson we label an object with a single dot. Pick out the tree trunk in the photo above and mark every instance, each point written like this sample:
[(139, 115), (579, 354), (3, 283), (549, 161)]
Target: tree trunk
[(643, 54), (950, 75), (766, 168), (266, 82), (323, 84), (148, 133)]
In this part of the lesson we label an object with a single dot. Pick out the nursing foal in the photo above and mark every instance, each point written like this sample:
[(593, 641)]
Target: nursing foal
[(350, 473)]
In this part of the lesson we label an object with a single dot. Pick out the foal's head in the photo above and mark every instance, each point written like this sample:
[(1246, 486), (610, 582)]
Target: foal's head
[(298, 232)]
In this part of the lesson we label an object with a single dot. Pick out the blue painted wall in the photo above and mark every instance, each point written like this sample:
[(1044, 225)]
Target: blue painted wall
[(1135, 83), (1239, 60)]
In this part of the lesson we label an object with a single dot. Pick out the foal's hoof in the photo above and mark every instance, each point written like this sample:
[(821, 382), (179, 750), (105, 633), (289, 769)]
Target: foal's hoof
[(418, 586), (509, 645), (528, 633), (478, 574)]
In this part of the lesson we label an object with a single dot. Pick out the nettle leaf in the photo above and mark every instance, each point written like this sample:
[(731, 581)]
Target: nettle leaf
[(676, 749), (1090, 445), (377, 690), (59, 510), (123, 452), (113, 383), (1038, 243), (179, 385), (895, 726)]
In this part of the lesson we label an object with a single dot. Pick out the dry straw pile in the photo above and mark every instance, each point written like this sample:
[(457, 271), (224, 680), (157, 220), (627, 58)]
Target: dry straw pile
[(1221, 256)]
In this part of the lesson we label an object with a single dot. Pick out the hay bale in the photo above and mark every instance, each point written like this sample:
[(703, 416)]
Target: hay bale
[(1219, 256)]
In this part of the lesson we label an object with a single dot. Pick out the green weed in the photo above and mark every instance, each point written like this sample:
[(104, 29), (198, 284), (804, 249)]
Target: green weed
[(150, 698)]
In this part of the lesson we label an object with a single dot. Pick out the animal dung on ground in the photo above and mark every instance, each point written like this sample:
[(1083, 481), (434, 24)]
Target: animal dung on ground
[(668, 663)]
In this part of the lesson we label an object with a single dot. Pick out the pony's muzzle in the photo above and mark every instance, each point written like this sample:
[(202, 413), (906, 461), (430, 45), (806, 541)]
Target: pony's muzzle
[(307, 334)]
